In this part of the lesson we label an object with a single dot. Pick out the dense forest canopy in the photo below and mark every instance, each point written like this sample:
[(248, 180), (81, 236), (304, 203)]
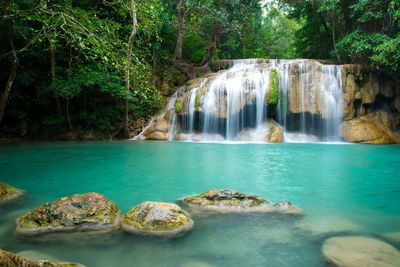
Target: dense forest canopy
[(69, 68)]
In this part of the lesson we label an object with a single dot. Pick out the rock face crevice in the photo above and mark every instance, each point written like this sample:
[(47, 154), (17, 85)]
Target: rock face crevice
[(353, 103)]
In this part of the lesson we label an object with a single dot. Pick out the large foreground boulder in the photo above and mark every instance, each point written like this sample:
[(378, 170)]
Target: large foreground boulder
[(373, 128), (357, 251), (80, 212), (8, 259), (8, 193), (231, 201), (157, 218)]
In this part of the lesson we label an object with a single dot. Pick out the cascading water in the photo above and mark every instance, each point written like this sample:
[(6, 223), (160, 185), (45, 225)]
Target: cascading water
[(310, 105), (233, 104)]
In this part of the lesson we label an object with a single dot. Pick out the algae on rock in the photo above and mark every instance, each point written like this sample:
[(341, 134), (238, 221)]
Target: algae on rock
[(157, 218), (79, 212), (8, 192)]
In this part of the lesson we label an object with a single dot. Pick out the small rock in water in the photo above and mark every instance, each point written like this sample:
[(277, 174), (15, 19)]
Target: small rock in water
[(157, 218), (8, 193), (80, 212), (8, 259), (231, 201), (358, 251)]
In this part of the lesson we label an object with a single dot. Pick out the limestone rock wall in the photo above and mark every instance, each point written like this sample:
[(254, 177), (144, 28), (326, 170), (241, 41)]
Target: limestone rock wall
[(371, 106)]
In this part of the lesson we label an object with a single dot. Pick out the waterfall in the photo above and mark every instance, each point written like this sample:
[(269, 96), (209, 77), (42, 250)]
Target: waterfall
[(253, 98), (310, 105)]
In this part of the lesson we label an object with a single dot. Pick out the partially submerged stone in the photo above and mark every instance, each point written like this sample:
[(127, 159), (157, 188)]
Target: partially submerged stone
[(355, 251), (8, 259), (157, 218), (79, 212), (8, 193), (232, 201)]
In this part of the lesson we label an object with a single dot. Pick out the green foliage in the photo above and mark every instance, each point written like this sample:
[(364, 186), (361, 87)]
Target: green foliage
[(358, 31), (178, 107), (273, 94)]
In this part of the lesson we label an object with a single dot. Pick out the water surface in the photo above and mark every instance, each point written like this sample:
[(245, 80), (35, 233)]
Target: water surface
[(343, 190)]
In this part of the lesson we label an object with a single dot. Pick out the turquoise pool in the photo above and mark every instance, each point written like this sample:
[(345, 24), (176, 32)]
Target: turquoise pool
[(343, 189)]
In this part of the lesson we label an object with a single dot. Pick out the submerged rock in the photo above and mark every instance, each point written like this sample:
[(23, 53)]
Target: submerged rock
[(8, 193), (232, 201), (157, 218), (356, 251), (321, 224), (394, 237), (80, 212), (8, 259)]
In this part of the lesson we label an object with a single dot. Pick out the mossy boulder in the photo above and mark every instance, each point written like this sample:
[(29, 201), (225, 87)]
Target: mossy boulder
[(79, 212), (157, 218), (231, 201), (8, 259), (8, 193)]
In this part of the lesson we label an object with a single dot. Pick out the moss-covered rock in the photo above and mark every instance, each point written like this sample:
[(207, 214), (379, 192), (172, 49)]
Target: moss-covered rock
[(80, 212), (8, 192), (157, 218), (231, 201), (8, 259)]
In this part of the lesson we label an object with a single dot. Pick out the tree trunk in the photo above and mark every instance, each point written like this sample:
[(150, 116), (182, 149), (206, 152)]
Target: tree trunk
[(13, 72), (211, 46), (53, 75), (334, 36), (129, 65), (180, 31), (68, 116)]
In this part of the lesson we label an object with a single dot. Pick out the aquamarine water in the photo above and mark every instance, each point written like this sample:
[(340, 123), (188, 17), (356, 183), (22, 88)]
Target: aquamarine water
[(343, 189)]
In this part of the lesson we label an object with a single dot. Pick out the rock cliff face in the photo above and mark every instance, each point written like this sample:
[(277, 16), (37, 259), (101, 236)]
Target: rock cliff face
[(371, 111), (340, 102)]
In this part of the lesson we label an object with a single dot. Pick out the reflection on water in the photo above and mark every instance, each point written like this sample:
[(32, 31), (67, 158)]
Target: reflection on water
[(339, 187)]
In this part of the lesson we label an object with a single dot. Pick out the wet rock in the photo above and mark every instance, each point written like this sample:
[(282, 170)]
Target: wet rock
[(8, 193), (80, 212), (274, 133), (373, 128), (232, 201), (157, 218), (356, 251), (8, 259), (271, 132)]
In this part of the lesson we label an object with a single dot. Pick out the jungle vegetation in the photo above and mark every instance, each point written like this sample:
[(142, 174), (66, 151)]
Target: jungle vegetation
[(72, 67)]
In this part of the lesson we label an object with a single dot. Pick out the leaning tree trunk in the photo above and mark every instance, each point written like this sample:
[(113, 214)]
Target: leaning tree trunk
[(13, 72), (181, 25), (129, 65)]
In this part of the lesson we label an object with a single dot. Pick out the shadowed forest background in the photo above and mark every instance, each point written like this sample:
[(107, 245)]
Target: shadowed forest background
[(99, 69)]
